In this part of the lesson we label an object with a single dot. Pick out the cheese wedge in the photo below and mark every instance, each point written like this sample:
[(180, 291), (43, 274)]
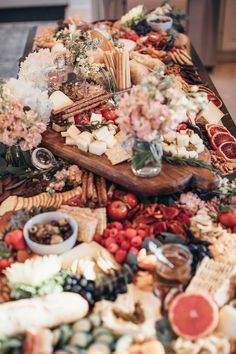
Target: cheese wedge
[(101, 134), (212, 114), (97, 148), (59, 100), (96, 118)]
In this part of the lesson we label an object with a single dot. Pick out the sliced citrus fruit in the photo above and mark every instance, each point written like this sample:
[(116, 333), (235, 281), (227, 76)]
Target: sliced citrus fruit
[(228, 151), (219, 138), (215, 128), (193, 315)]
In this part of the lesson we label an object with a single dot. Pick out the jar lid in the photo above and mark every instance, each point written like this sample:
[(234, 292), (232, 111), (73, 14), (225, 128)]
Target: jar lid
[(42, 159)]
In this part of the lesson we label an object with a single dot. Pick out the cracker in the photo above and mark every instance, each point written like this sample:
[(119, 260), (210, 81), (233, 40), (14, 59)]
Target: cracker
[(213, 278), (87, 224), (8, 205), (20, 203), (117, 154)]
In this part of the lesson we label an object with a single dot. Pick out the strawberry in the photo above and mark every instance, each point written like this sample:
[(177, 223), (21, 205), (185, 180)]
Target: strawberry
[(130, 233), (15, 239), (137, 242), (120, 256), (113, 248)]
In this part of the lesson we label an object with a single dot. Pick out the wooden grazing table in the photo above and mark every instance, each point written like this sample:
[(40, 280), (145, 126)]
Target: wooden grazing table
[(172, 179)]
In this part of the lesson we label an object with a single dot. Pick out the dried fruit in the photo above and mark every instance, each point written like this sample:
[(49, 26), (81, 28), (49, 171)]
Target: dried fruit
[(228, 151), (212, 129), (220, 138), (193, 315)]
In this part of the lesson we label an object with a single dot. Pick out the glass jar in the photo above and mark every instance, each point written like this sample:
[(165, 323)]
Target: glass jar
[(147, 157), (174, 263)]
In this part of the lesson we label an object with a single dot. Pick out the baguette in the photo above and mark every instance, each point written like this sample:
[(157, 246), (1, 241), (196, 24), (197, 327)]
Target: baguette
[(84, 188), (17, 317)]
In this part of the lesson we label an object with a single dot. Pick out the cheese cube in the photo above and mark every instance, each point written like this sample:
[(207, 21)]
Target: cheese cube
[(82, 144), (69, 141), (64, 134), (182, 140), (97, 118), (86, 136), (101, 133), (110, 141), (97, 148), (73, 132), (71, 120)]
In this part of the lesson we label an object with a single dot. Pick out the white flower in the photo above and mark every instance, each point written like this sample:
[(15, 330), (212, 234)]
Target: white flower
[(33, 271), (135, 12), (34, 68), (31, 96)]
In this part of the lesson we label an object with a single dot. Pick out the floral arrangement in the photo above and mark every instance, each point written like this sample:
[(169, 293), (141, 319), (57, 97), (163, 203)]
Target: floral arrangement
[(32, 96), (19, 124), (34, 68), (157, 106), (134, 16), (70, 177), (78, 44)]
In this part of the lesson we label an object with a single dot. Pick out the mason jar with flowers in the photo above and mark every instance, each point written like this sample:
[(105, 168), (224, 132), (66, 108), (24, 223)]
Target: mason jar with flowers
[(151, 109), (24, 114)]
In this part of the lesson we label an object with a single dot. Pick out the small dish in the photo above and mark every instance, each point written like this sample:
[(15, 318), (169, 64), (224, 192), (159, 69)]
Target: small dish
[(58, 248), (160, 23)]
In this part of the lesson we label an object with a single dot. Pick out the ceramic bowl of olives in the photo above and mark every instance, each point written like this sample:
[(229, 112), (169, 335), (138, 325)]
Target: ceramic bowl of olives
[(51, 233), (160, 23)]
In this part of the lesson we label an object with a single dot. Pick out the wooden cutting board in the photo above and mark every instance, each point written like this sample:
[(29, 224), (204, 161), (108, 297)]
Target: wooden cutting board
[(172, 179)]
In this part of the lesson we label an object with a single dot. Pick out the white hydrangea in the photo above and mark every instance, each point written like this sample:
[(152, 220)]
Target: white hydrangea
[(34, 68), (135, 12), (33, 97)]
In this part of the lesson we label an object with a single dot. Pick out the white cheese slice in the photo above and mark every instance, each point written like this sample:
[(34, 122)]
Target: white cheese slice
[(69, 141), (82, 144), (97, 148), (101, 133), (59, 100), (110, 141), (96, 118), (73, 132), (86, 136), (212, 113)]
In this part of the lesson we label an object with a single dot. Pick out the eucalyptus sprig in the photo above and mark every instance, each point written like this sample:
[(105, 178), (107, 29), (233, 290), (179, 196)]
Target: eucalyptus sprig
[(190, 162), (94, 125)]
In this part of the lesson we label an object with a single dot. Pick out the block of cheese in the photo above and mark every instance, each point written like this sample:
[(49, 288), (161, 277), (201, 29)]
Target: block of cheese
[(110, 141), (82, 144), (86, 136), (97, 148), (101, 134), (73, 132), (96, 118), (212, 113), (69, 141), (59, 100)]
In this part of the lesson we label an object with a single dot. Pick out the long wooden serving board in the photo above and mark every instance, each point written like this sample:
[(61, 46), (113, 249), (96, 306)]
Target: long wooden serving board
[(172, 178)]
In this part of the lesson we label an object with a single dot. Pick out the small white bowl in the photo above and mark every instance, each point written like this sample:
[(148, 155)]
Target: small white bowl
[(161, 26), (50, 249)]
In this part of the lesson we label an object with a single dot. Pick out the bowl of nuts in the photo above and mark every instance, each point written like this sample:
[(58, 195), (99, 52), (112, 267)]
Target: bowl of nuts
[(51, 233)]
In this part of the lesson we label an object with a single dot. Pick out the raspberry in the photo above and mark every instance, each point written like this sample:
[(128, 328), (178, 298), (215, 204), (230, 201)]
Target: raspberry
[(106, 233), (117, 225), (113, 232), (120, 237), (97, 238), (141, 233), (109, 240), (125, 245), (137, 242), (112, 247), (130, 233), (120, 256)]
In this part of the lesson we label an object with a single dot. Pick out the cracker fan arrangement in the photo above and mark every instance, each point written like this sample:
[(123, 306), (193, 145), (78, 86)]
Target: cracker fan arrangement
[(117, 195)]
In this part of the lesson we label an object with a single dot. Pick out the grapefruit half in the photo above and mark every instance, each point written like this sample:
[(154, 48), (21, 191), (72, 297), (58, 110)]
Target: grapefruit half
[(228, 151), (219, 138), (193, 315)]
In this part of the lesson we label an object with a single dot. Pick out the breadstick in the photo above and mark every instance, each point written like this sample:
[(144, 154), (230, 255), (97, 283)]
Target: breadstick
[(103, 191), (123, 69), (95, 194), (120, 70), (111, 191), (98, 185), (84, 188)]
